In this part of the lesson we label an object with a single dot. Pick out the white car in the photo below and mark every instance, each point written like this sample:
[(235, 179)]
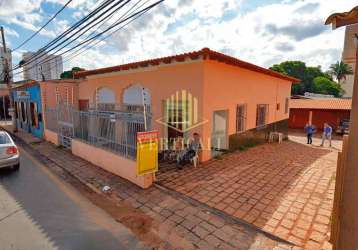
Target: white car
[(9, 154)]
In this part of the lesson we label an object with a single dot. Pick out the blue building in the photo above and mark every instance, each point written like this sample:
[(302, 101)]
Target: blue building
[(28, 108)]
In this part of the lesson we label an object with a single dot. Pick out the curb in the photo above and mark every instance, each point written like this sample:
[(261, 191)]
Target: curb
[(45, 160), (41, 158), (229, 218)]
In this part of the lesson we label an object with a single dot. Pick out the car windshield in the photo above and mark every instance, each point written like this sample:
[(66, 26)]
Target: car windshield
[(4, 138)]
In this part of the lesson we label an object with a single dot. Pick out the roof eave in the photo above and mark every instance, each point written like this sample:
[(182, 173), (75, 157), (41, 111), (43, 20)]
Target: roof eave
[(206, 54), (343, 19)]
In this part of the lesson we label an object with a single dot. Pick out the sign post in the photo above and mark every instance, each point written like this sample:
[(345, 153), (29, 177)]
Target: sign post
[(147, 152)]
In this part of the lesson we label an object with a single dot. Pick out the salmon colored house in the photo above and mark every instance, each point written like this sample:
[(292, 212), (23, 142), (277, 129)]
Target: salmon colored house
[(220, 97), (53, 93)]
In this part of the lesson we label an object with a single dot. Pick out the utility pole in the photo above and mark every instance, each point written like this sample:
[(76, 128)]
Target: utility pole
[(7, 80)]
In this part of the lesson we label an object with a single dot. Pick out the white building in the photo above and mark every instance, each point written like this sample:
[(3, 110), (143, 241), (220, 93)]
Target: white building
[(39, 70), (349, 57), (4, 56)]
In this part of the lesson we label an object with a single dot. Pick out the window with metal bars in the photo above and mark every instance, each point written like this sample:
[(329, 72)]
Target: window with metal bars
[(261, 114), (240, 118)]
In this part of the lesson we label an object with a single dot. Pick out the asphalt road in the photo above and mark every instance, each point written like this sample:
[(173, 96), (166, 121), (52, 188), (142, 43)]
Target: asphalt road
[(40, 211)]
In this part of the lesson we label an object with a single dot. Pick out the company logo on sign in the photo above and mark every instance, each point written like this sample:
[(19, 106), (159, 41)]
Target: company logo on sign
[(147, 152), (23, 94), (181, 112)]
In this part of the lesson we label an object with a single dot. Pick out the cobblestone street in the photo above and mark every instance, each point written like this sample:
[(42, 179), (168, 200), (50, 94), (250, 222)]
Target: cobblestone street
[(285, 189), (179, 222)]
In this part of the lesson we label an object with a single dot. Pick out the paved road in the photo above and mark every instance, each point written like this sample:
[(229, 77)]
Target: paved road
[(39, 211)]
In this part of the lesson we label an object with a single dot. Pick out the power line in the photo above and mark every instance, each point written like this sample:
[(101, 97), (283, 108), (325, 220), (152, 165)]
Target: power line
[(114, 25), (86, 47), (80, 50), (130, 11), (43, 26), (82, 32), (134, 16), (92, 14), (104, 4), (72, 24)]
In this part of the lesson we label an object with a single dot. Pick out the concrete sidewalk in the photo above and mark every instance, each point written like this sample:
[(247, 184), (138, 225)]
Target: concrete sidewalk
[(177, 221)]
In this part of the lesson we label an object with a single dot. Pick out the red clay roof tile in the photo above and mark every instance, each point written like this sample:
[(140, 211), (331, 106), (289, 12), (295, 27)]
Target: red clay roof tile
[(206, 53), (334, 103)]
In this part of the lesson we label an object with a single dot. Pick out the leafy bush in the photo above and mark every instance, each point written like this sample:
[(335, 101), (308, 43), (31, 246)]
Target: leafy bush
[(323, 85)]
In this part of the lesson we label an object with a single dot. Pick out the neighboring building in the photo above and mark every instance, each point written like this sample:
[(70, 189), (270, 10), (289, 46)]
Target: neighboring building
[(37, 71), (4, 56), (349, 57), (32, 98), (318, 111), (28, 108), (4, 102), (224, 99)]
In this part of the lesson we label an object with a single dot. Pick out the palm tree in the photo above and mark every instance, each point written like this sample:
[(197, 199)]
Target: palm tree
[(340, 70)]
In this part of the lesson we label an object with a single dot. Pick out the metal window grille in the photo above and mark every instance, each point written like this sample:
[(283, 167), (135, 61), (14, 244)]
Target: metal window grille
[(240, 118), (113, 131), (261, 115)]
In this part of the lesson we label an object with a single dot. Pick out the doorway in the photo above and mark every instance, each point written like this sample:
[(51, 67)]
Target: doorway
[(219, 140)]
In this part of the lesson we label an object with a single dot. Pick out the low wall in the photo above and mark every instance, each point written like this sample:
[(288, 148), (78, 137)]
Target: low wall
[(111, 162), (51, 136), (257, 135)]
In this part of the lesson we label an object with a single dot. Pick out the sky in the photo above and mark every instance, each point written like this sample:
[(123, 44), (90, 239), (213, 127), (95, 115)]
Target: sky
[(263, 32)]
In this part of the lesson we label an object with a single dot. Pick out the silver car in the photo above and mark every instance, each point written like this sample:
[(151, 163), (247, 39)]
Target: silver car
[(9, 153)]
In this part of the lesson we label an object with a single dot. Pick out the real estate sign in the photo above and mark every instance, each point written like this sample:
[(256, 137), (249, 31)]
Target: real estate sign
[(147, 152)]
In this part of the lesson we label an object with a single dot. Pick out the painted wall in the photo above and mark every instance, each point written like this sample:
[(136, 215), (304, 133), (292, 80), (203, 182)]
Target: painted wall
[(4, 91), (51, 137), (162, 81), (113, 163), (34, 97), (64, 91), (55, 91), (299, 117), (226, 86), (217, 86)]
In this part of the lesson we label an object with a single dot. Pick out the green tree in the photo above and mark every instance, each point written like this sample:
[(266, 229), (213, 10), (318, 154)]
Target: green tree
[(340, 70), (299, 70), (323, 85), (69, 74)]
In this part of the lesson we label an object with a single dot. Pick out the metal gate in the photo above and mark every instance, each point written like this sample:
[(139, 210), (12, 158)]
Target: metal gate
[(115, 131), (65, 125)]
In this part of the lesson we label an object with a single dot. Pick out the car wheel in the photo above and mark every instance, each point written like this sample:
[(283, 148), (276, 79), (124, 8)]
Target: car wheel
[(16, 167)]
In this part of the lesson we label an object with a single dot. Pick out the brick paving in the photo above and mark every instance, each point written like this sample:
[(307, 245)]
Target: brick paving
[(179, 222), (285, 189)]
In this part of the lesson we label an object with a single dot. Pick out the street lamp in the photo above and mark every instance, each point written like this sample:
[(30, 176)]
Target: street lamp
[(345, 232)]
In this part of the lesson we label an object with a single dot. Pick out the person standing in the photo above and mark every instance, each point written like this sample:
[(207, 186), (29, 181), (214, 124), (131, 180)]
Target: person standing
[(327, 134), (309, 129)]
